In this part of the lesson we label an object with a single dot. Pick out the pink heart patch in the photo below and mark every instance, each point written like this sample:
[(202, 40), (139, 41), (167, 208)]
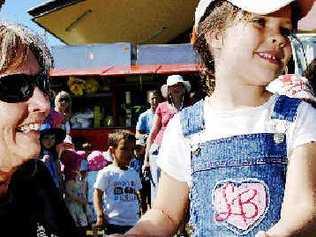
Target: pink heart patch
[(240, 206)]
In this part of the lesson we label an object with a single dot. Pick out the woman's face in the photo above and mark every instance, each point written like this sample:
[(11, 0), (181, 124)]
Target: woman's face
[(176, 90), (63, 103), (253, 52), (20, 122)]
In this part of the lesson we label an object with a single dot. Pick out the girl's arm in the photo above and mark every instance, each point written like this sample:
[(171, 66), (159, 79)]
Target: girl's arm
[(168, 211), (298, 214), (150, 140)]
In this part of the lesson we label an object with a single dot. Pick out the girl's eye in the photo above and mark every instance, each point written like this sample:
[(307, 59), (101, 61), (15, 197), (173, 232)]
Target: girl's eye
[(259, 22), (286, 32)]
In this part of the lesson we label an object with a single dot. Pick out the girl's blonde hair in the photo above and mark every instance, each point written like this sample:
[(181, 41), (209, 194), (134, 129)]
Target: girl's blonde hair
[(217, 17), (63, 94), (15, 43)]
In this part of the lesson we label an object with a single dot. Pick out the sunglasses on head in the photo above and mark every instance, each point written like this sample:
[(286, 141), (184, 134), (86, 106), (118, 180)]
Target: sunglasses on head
[(16, 88)]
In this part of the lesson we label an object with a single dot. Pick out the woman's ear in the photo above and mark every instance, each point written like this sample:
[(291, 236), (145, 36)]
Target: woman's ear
[(214, 39)]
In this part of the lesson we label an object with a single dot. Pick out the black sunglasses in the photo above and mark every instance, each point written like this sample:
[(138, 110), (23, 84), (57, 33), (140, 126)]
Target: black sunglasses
[(20, 87), (65, 99)]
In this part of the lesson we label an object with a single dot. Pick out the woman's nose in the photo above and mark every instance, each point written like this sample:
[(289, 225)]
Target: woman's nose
[(39, 101)]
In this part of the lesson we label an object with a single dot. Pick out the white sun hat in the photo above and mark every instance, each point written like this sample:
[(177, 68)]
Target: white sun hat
[(175, 79), (261, 7)]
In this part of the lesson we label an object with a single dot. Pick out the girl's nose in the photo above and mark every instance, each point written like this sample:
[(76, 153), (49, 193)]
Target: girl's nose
[(39, 101), (278, 40)]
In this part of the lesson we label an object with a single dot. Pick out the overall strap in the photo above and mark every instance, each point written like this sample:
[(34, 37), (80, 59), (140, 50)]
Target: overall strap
[(192, 118), (285, 108)]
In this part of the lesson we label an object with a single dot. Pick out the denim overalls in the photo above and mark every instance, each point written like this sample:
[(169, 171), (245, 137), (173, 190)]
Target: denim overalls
[(238, 182)]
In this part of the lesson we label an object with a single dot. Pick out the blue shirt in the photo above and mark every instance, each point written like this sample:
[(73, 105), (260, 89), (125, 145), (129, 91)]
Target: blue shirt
[(145, 121)]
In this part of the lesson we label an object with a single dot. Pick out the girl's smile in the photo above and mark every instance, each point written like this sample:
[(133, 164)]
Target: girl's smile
[(271, 56)]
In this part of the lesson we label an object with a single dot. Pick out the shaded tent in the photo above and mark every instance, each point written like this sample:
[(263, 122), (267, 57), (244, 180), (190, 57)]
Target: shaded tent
[(139, 22), (96, 21)]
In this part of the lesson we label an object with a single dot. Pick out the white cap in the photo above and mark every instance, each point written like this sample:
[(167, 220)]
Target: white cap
[(261, 7), (175, 79)]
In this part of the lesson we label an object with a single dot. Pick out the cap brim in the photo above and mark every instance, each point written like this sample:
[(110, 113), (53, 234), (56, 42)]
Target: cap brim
[(269, 6), (186, 84), (262, 8)]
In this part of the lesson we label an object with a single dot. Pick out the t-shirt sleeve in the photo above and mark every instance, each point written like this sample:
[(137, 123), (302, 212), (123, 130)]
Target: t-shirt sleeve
[(102, 180), (140, 123), (174, 154), (303, 130)]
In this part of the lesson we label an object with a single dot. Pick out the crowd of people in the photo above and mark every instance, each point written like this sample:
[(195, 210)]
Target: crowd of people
[(239, 162)]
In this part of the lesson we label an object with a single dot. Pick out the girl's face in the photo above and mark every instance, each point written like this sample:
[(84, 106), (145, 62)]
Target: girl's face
[(48, 141), (253, 52)]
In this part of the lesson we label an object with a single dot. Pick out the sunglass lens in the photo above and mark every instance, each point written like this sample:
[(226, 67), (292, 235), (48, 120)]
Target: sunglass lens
[(43, 82), (15, 88)]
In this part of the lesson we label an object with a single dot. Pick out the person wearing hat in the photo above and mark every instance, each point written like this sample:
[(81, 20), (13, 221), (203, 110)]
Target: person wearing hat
[(177, 91), (30, 204), (243, 156)]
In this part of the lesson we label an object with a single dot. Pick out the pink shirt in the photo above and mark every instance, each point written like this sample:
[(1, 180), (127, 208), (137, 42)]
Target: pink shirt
[(165, 112)]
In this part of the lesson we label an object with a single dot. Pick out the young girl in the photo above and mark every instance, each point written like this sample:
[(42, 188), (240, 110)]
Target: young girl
[(76, 195), (245, 156), (50, 137)]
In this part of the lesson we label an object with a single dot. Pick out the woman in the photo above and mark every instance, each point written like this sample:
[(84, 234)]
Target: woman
[(30, 204), (63, 105), (177, 93)]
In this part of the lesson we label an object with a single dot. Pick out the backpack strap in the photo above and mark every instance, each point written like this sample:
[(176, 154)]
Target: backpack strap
[(285, 108), (192, 118)]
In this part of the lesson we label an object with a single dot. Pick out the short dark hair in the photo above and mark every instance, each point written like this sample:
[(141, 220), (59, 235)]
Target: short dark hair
[(115, 137)]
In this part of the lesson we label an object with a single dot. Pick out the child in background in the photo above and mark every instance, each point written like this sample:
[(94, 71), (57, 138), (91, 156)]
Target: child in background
[(76, 195), (96, 162), (116, 199), (245, 156), (50, 137), (139, 153), (137, 164)]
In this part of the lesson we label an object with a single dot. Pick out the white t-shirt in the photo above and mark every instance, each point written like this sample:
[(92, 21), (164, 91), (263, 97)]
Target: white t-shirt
[(121, 205), (174, 155)]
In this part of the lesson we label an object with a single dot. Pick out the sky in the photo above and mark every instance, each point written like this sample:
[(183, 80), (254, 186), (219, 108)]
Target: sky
[(16, 11)]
